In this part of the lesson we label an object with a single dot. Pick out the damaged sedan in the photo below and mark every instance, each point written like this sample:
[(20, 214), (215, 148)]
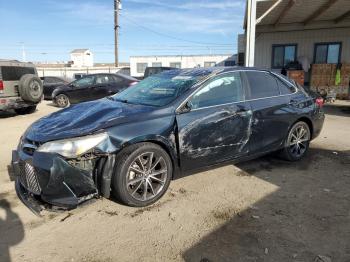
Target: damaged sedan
[(131, 145)]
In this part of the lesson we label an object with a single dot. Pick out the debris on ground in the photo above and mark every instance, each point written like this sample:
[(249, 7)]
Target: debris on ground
[(67, 216), (255, 217), (266, 251), (321, 258)]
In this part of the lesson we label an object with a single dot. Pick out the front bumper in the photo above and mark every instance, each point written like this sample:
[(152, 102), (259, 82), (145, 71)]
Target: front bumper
[(46, 180)]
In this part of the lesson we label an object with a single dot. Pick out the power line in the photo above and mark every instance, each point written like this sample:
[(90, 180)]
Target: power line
[(166, 35)]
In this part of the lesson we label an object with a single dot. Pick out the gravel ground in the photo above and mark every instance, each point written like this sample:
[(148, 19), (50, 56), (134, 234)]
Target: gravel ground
[(261, 210)]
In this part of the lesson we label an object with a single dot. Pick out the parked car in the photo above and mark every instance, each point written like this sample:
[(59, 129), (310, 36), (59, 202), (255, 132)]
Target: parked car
[(91, 87), (134, 143), (20, 87), (155, 70), (50, 83)]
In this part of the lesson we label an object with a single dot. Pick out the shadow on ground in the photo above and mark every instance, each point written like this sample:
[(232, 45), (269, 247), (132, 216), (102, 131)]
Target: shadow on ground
[(7, 114), (338, 109), (11, 229), (307, 216)]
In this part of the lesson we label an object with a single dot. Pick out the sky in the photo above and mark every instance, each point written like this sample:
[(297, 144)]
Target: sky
[(49, 29)]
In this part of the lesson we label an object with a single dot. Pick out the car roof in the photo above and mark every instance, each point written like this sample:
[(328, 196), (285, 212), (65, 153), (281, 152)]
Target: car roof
[(202, 71)]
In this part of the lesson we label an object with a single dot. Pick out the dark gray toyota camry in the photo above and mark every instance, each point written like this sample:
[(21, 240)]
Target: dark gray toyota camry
[(132, 144)]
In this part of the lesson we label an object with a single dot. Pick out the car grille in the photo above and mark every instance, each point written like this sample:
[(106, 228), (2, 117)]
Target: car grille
[(28, 178)]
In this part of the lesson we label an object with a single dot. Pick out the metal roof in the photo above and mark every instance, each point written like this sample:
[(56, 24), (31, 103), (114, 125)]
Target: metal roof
[(79, 51), (305, 12)]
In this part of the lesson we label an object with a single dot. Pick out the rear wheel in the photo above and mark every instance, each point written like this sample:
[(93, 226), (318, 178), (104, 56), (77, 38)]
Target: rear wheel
[(143, 174), (297, 142), (25, 110), (62, 100)]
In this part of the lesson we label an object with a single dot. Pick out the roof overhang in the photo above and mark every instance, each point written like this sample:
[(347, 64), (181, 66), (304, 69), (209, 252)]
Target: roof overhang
[(301, 14)]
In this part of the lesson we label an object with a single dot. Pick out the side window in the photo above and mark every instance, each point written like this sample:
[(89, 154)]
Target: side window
[(285, 89), (14, 73), (261, 84), (85, 81), (115, 79), (102, 79), (221, 90)]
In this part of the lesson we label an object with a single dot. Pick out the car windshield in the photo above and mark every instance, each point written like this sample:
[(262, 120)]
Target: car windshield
[(160, 89)]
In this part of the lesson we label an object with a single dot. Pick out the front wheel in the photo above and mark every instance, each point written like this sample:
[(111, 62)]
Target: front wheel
[(297, 142), (62, 100), (142, 175)]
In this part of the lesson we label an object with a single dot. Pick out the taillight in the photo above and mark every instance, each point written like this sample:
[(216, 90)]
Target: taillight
[(319, 101), (1, 85), (133, 83)]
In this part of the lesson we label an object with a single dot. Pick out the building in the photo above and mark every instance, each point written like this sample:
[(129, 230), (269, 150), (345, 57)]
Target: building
[(138, 64), (315, 33), (81, 58)]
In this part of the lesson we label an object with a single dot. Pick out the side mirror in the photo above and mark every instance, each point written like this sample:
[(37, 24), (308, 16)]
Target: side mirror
[(185, 108)]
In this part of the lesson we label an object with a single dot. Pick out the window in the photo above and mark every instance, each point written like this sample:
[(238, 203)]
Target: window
[(141, 67), (283, 54), (221, 90), (14, 73), (209, 64), (160, 89), (103, 79), (156, 64), (261, 84), (175, 64), (84, 82), (284, 88), (327, 53)]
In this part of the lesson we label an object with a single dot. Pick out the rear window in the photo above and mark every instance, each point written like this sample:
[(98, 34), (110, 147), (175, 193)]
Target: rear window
[(285, 89), (14, 73), (261, 85)]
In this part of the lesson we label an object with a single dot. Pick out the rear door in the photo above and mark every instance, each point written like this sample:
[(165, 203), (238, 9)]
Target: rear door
[(10, 76), (272, 114), (217, 126), (102, 87)]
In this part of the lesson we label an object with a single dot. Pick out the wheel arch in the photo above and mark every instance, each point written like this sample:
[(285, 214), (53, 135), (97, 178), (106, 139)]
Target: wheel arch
[(161, 141), (308, 122)]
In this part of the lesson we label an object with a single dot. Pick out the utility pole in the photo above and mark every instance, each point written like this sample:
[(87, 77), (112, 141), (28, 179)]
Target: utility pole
[(117, 5)]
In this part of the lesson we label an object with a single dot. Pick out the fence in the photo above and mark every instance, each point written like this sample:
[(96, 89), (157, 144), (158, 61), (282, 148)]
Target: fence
[(69, 72)]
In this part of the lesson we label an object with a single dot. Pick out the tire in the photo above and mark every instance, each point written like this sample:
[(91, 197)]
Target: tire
[(297, 142), (136, 181), (25, 110), (30, 88), (62, 100)]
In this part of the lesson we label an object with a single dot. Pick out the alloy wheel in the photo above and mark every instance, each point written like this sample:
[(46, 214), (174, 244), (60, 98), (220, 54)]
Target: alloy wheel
[(146, 176), (298, 140), (62, 100)]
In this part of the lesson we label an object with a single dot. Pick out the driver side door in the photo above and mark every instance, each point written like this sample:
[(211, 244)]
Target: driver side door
[(216, 126), (79, 91)]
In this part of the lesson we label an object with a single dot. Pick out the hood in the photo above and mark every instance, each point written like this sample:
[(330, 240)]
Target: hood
[(83, 119)]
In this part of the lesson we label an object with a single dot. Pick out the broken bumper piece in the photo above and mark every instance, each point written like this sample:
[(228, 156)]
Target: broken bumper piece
[(48, 181)]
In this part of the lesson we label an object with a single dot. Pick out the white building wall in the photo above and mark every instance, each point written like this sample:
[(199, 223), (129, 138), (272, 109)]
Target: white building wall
[(305, 40), (186, 61), (82, 59)]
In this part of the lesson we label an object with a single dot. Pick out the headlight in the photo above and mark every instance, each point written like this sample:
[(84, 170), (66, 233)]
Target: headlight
[(73, 147)]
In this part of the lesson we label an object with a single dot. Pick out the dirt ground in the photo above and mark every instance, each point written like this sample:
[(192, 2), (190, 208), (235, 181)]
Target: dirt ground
[(261, 210)]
